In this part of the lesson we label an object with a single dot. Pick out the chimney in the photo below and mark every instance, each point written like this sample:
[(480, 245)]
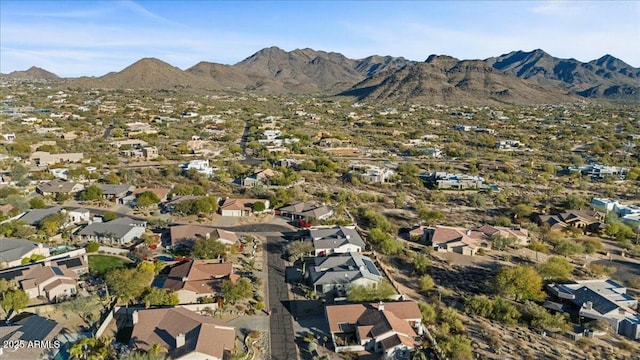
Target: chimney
[(588, 305), (469, 232), (348, 237), (380, 306), (134, 317), (185, 279), (180, 340)]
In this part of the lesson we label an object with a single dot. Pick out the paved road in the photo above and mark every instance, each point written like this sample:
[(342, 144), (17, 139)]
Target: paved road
[(283, 346)]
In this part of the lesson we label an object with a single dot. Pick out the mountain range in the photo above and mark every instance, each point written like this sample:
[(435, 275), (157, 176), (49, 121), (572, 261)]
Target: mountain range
[(518, 77)]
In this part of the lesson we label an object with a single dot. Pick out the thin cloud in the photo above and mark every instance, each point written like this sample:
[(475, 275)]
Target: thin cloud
[(141, 10)]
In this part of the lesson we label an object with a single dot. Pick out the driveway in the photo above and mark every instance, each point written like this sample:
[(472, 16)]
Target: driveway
[(282, 339)]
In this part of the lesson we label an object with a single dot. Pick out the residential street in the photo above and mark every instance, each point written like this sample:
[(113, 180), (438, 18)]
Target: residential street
[(283, 346)]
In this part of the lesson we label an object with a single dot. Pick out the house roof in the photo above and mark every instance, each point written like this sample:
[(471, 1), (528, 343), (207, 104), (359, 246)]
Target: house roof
[(202, 334), (116, 228), (372, 322), (12, 249), (199, 276), (239, 204), (187, 232), (306, 209), (31, 328), (331, 238), (342, 268), (60, 186), (34, 217), (161, 193), (118, 189)]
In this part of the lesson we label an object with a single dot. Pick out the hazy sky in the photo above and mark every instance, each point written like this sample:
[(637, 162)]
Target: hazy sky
[(92, 38)]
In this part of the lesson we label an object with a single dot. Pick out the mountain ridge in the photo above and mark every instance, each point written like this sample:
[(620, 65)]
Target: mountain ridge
[(274, 70)]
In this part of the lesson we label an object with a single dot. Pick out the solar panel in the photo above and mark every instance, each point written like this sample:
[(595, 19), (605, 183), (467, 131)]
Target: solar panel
[(57, 271), (371, 267)]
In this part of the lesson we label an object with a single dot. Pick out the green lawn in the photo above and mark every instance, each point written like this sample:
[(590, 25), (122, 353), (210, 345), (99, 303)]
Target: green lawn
[(104, 263)]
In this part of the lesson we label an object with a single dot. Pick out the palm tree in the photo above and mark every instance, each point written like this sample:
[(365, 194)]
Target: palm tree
[(157, 349), (418, 355)]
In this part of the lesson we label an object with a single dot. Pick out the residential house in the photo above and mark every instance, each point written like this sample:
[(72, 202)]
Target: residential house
[(79, 215), (185, 335), (334, 275), (509, 145), (120, 231), (519, 235), (116, 192), (52, 280), (240, 207), (587, 220), (201, 166), (306, 210), (187, 233), (599, 171), (60, 173), (44, 158), (392, 329), (371, 173), (9, 137), (599, 299), (30, 329), (459, 240), (13, 250), (444, 180), (33, 217), (468, 241), (134, 143), (159, 192), (629, 214), (197, 279), (58, 186), (335, 240), (260, 177)]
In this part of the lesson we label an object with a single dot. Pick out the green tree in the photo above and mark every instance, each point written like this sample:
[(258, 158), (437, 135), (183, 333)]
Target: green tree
[(592, 245), (555, 269), (521, 282), (204, 248), (153, 296), (539, 318), (380, 291), (18, 172), (421, 264), (37, 203), (91, 192), (298, 249), (504, 311), (146, 199), (258, 206), (431, 217), (457, 347), (109, 216), (479, 305), (477, 200), (129, 284), (428, 312), (568, 248), (32, 258), (502, 221), (426, 283), (112, 179), (522, 211), (88, 307), (92, 246), (500, 242), (233, 292), (14, 300), (51, 224)]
